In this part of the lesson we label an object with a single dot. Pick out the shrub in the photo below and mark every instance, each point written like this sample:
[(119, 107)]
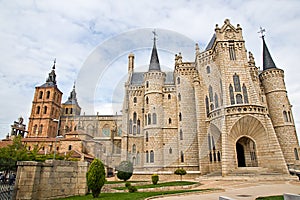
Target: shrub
[(96, 177), (125, 170), (132, 189), (155, 179), (127, 184), (180, 172)]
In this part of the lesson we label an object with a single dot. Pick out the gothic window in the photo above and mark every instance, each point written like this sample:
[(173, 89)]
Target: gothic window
[(45, 109), (147, 157), (133, 148), (147, 100), (147, 84), (180, 116), (216, 100), (285, 117), (221, 96), (169, 96), (134, 99), (41, 129), (219, 156), (105, 130), (178, 80), (70, 147), (289, 116), (206, 105), (147, 136), (151, 156), (181, 156), (145, 120), (210, 157), (170, 121), (67, 110), (154, 118), (232, 52), (130, 126), (212, 107), (210, 93), (38, 109), (149, 119), (35, 129), (41, 95), (215, 156), (239, 99), (138, 126), (134, 129), (71, 110), (181, 134), (48, 95), (231, 95), (236, 82), (134, 117), (245, 94), (134, 161), (170, 150), (296, 154), (208, 69), (179, 97)]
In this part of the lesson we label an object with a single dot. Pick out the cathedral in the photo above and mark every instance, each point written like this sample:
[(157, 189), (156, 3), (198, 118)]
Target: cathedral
[(215, 114)]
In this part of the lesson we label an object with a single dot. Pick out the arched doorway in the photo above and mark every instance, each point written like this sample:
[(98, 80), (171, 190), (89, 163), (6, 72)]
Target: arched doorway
[(246, 152)]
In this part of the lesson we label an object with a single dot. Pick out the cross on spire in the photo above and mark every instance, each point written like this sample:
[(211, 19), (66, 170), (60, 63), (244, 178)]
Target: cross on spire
[(261, 31), (154, 35)]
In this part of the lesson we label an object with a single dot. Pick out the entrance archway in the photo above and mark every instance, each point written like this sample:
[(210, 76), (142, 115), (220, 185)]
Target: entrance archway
[(246, 152)]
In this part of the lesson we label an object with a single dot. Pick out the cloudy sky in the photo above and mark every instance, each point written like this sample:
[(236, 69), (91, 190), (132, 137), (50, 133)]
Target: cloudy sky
[(33, 33)]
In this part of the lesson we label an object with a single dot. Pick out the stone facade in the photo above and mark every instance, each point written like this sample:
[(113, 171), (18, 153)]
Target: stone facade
[(213, 115)]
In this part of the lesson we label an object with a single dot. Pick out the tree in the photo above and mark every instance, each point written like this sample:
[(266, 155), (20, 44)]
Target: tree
[(180, 172), (125, 170), (155, 179), (96, 177)]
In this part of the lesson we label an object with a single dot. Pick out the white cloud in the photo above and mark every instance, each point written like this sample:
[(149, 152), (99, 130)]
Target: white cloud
[(33, 33)]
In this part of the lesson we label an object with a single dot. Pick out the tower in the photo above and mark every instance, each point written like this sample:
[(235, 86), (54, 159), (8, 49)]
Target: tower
[(45, 111), (279, 106)]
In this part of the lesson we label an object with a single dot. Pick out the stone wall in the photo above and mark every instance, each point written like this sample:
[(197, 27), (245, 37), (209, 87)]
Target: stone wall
[(50, 180)]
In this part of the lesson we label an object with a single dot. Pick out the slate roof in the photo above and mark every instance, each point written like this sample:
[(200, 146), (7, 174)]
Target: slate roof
[(268, 62), (137, 78), (211, 42)]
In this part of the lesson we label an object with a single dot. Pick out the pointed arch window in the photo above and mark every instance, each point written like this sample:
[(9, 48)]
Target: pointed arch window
[(38, 109), (134, 129), (138, 126), (231, 94), (232, 52), (35, 129), (239, 99), (181, 134), (45, 109), (210, 94), (145, 120), (147, 156), (154, 118), (147, 136), (219, 156), (147, 100), (296, 154), (207, 105), (245, 93), (181, 156), (151, 156), (149, 119), (41, 129), (134, 99), (179, 97), (133, 148), (48, 95), (236, 82), (41, 95), (130, 126), (134, 117), (290, 116), (212, 107), (216, 100)]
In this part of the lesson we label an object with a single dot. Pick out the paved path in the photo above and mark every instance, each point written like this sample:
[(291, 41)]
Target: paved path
[(242, 190)]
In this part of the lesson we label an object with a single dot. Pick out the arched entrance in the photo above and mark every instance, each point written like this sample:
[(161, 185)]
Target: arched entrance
[(246, 152)]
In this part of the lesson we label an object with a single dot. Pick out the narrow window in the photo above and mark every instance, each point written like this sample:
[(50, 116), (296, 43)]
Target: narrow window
[(178, 80), (134, 129), (70, 147), (151, 156), (219, 156), (182, 156), (41, 95), (208, 69), (216, 100), (147, 136), (215, 156), (221, 88), (285, 117), (41, 129), (154, 118), (207, 105), (138, 126), (48, 95), (170, 121), (180, 116), (245, 94), (130, 126), (38, 109), (71, 110), (170, 150), (210, 93), (67, 110), (289, 116), (209, 142), (147, 100), (35, 129), (147, 84), (210, 157), (169, 96), (181, 134), (45, 109), (232, 52), (133, 148), (231, 95), (212, 107), (138, 158), (236, 82), (134, 161), (149, 119), (296, 154), (239, 99), (147, 157), (134, 100), (145, 120), (179, 97), (134, 117)]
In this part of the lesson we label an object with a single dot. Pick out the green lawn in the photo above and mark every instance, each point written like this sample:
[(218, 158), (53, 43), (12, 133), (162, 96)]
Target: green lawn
[(166, 184), (118, 182), (270, 198), (131, 196)]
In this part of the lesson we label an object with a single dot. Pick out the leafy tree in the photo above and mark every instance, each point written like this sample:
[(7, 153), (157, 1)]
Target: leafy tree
[(125, 170), (96, 177), (155, 179), (180, 172)]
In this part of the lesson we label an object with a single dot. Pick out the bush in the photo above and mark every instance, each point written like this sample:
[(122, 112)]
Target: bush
[(127, 184), (132, 189), (125, 170), (180, 172), (96, 177), (155, 179)]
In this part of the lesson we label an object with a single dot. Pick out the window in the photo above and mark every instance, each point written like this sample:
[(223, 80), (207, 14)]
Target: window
[(210, 157), (134, 99), (170, 150), (151, 156), (285, 117), (41, 129), (181, 156), (210, 93), (149, 119), (35, 129), (239, 99), (134, 117), (41, 95), (147, 84), (147, 136), (181, 134), (138, 158), (147, 100), (207, 105), (133, 148), (38, 109), (231, 52), (71, 110), (219, 156), (70, 147), (216, 100), (147, 157), (178, 80), (231, 95), (45, 109), (145, 120), (236, 82), (221, 96), (289, 116), (130, 126), (180, 116), (296, 154), (179, 97), (67, 110), (212, 107), (169, 96), (138, 126), (170, 121), (105, 130), (208, 69), (134, 161), (245, 94), (134, 129), (154, 118), (209, 143), (48, 95)]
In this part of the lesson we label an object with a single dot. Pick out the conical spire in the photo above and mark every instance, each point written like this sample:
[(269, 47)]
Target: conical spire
[(154, 62), (72, 99), (268, 62), (51, 79)]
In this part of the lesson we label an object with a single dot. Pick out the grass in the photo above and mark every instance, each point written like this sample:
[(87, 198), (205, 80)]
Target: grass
[(118, 182), (270, 198), (131, 196), (166, 184)]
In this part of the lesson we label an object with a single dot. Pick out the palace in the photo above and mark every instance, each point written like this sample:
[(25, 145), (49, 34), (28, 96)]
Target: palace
[(215, 114)]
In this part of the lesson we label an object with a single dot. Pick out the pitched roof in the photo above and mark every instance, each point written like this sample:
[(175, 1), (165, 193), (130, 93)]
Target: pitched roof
[(268, 62), (154, 61), (211, 42)]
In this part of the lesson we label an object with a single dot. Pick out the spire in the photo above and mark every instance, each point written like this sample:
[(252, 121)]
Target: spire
[(51, 79), (268, 62), (154, 62), (72, 99)]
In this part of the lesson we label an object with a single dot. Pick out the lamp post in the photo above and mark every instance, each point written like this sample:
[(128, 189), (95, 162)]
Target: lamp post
[(57, 136)]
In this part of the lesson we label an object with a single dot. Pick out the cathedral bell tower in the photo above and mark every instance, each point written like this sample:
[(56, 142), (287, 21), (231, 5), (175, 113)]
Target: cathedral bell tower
[(45, 111)]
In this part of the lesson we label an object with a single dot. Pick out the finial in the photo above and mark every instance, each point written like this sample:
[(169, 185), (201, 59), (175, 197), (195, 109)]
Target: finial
[(54, 63), (261, 31), (197, 47), (154, 35), (74, 85)]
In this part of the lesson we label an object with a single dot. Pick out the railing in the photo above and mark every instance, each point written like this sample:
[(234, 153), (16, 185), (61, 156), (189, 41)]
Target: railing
[(6, 191)]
